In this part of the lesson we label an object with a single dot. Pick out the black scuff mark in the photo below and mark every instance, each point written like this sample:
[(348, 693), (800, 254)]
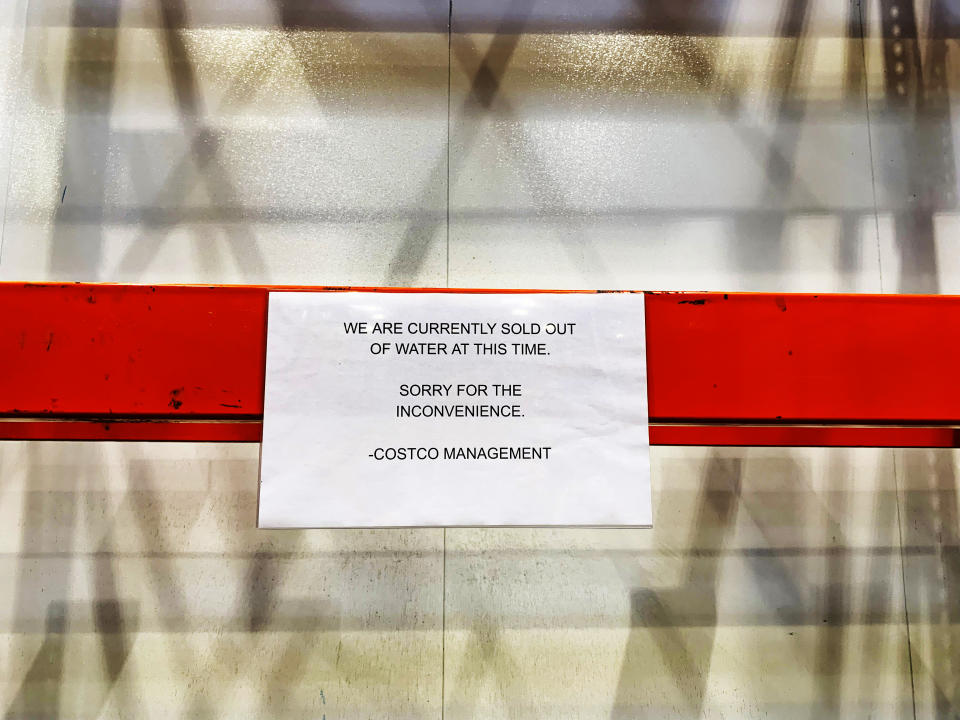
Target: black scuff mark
[(175, 401), (701, 301), (228, 405), (91, 299), (49, 342), (781, 303), (63, 195)]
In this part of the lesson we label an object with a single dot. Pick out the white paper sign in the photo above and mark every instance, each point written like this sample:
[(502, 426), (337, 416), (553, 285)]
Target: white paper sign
[(445, 409)]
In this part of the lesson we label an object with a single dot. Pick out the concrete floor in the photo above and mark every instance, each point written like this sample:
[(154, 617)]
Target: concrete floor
[(792, 145)]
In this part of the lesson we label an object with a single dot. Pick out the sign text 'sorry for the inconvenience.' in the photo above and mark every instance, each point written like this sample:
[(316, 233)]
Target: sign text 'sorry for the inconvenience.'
[(387, 409)]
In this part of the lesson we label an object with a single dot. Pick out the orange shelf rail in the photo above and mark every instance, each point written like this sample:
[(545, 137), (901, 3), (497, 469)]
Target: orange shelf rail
[(186, 363)]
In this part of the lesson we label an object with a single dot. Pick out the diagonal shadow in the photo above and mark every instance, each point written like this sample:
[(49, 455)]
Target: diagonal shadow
[(882, 596), (205, 147), (164, 583), (777, 151), (917, 95), (484, 88), (661, 615), (265, 615), (484, 655), (76, 250), (931, 519), (779, 164), (831, 641), (115, 622), (50, 519), (39, 695), (420, 234), (681, 622), (485, 95)]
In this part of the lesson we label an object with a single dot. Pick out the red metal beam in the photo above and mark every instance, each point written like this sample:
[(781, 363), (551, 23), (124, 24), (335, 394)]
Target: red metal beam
[(81, 361), (153, 430), (714, 435)]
